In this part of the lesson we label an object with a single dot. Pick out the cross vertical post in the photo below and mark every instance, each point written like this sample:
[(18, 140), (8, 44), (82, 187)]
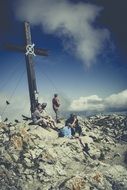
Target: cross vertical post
[(30, 69)]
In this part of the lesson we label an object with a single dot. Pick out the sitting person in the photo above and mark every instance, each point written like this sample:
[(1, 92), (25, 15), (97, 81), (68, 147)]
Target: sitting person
[(41, 117), (36, 115), (72, 122), (47, 118)]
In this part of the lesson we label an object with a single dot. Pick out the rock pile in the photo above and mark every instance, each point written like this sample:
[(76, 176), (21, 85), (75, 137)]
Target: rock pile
[(114, 125), (36, 159)]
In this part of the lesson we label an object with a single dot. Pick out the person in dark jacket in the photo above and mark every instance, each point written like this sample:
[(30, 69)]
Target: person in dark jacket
[(72, 122)]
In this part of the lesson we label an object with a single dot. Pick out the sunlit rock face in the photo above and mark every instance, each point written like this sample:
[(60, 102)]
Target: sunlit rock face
[(34, 158)]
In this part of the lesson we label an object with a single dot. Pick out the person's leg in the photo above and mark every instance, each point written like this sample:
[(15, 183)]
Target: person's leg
[(51, 120), (54, 124), (39, 121), (56, 115), (72, 131), (46, 124), (78, 129)]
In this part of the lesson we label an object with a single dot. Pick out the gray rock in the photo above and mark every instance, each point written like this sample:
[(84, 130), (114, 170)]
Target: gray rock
[(34, 158)]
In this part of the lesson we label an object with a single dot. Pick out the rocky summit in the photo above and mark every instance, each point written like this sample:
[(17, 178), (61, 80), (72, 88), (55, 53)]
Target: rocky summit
[(33, 158)]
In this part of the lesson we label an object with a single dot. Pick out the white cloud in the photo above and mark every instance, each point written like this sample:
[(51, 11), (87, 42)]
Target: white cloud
[(118, 101), (72, 21), (94, 103), (89, 103)]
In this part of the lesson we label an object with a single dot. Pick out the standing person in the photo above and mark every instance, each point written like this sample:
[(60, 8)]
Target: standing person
[(56, 105)]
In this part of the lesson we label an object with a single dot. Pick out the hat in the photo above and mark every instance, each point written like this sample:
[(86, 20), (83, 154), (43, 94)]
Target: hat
[(44, 104)]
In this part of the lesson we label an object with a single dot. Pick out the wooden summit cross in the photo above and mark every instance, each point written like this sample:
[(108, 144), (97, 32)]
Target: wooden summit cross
[(29, 51)]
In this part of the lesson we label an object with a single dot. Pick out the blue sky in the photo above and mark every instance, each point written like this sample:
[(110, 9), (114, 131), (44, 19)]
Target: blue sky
[(87, 60)]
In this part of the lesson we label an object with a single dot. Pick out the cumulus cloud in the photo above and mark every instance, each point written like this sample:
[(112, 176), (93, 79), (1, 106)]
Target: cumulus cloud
[(73, 23), (114, 102), (117, 101), (89, 103)]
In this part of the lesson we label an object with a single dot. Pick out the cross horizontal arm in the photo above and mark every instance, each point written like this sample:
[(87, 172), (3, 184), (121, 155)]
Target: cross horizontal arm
[(38, 51)]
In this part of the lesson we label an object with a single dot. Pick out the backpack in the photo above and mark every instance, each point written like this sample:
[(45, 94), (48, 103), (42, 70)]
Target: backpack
[(65, 132)]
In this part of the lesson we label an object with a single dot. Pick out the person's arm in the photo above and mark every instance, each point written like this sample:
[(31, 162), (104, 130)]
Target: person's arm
[(37, 114), (69, 123), (44, 114), (74, 122), (58, 102)]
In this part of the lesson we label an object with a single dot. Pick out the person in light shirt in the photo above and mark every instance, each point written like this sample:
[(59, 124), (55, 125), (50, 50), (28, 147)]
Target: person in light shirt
[(41, 117), (47, 117)]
